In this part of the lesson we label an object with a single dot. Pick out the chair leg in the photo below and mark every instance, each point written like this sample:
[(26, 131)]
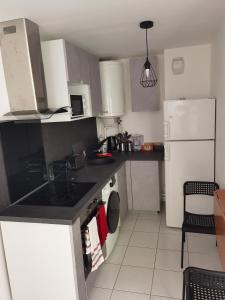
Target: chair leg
[(182, 248), (183, 292)]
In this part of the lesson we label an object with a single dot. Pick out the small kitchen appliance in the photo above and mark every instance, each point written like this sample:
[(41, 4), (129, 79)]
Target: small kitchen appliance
[(59, 193), (109, 144), (138, 141), (80, 100)]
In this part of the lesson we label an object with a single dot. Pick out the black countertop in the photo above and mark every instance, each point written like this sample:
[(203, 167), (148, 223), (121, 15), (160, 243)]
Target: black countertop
[(90, 173)]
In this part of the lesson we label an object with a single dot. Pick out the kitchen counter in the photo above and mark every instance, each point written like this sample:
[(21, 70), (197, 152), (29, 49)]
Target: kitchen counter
[(90, 173)]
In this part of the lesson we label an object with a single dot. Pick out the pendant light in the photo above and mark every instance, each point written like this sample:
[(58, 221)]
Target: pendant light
[(148, 76)]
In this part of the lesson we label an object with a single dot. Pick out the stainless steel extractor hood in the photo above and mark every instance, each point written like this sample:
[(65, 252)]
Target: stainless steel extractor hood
[(23, 67)]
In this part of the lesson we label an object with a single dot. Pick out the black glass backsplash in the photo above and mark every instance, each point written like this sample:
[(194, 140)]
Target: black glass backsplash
[(29, 147), (59, 137), (24, 157)]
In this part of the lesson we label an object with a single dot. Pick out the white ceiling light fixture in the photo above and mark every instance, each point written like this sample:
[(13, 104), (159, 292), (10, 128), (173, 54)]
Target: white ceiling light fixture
[(148, 76)]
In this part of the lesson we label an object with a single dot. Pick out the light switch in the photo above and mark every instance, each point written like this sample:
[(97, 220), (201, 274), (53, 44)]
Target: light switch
[(178, 65)]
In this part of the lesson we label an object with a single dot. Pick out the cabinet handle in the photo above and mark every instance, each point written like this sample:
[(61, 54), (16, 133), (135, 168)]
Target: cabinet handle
[(167, 152), (105, 111), (166, 129)]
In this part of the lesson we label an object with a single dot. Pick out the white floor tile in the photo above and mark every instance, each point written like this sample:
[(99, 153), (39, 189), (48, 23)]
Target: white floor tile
[(144, 239), (139, 257), (120, 295), (149, 215), (129, 223), (167, 284), (146, 243), (134, 279), (170, 241), (90, 282), (106, 276), (160, 298), (117, 255), (99, 294), (124, 237), (165, 229), (170, 260), (147, 225), (202, 243), (133, 213), (208, 261)]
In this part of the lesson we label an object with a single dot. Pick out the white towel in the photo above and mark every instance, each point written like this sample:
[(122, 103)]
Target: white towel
[(92, 243)]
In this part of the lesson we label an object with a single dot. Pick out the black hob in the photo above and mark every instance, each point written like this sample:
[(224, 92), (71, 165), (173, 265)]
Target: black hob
[(61, 193)]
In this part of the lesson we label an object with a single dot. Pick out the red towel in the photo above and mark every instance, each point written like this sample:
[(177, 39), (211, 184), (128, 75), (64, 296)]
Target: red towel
[(102, 224)]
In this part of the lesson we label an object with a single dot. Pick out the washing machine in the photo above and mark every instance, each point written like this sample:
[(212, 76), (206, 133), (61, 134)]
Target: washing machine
[(110, 197)]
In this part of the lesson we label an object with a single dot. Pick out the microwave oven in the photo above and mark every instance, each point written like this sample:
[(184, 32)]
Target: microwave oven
[(80, 101)]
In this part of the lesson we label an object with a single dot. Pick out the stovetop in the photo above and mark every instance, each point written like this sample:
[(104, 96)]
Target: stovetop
[(61, 193)]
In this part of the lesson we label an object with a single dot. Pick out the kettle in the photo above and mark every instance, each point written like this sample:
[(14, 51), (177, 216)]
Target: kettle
[(110, 143)]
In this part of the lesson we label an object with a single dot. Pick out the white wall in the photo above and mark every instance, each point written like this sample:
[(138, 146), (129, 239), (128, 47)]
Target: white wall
[(218, 91), (195, 81), (150, 124)]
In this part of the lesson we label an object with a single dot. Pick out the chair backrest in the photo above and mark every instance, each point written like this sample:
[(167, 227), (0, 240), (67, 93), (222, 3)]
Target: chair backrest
[(199, 188), (203, 284)]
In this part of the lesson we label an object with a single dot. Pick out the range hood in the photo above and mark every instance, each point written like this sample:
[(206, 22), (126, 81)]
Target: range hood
[(23, 67)]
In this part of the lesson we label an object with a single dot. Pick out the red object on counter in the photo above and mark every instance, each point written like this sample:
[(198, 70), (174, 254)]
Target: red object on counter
[(103, 229), (104, 154)]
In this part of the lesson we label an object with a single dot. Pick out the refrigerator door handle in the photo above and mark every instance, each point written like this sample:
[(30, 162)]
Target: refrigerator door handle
[(166, 129), (167, 152)]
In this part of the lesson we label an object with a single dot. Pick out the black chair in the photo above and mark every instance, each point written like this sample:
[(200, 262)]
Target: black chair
[(194, 222), (200, 284)]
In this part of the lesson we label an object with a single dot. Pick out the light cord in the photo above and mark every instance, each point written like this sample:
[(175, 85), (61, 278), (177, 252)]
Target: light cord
[(147, 41)]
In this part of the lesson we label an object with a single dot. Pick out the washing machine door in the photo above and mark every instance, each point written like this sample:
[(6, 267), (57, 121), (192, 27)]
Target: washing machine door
[(113, 211)]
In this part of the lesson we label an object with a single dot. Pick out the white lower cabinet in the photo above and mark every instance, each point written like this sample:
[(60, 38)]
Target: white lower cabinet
[(122, 190), (5, 293), (143, 185), (44, 261)]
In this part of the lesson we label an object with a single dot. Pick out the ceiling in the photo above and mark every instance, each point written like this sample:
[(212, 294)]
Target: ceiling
[(109, 28)]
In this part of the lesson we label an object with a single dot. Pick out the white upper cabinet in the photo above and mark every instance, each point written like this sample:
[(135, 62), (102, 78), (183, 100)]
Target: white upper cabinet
[(111, 74), (56, 73), (65, 65)]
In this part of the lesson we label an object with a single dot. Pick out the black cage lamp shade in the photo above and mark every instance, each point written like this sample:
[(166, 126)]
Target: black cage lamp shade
[(148, 75)]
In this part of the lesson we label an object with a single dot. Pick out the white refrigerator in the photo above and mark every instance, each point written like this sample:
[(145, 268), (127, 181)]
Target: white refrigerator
[(189, 133)]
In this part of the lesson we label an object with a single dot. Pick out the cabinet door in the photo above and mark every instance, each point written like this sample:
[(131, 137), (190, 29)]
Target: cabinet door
[(73, 63), (112, 86), (77, 64), (56, 73), (122, 189), (129, 186), (95, 85), (145, 185), (143, 99)]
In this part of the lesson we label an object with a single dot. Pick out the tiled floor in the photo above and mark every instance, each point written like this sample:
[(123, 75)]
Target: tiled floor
[(145, 264)]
